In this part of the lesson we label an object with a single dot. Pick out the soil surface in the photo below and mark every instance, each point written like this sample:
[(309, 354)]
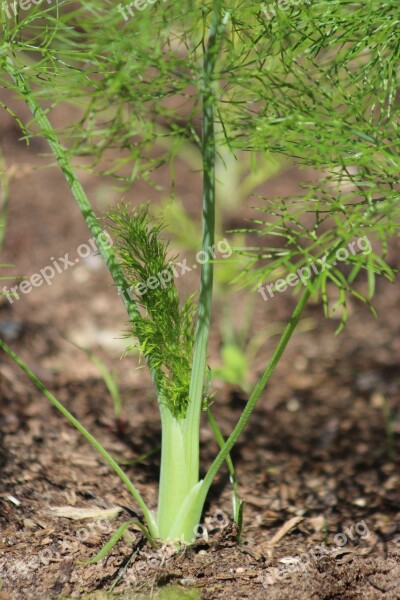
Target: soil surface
[(318, 466)]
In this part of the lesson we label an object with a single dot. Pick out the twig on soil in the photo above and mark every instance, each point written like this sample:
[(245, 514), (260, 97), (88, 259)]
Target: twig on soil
[(284, 530)]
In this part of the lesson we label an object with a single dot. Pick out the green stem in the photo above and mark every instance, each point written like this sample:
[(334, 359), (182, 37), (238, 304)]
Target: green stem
[(259, 388), (74, 184), (108, 458), (5, 192), (192, 420), (237, 502)]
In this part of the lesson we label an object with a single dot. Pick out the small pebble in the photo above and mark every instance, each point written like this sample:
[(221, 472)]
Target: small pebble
[(10, 330), (377, 400), (360, 502), (300, 363), (188, 581), (293, 405)]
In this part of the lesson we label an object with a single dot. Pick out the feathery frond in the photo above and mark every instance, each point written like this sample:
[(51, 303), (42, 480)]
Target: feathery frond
[(165, 332)]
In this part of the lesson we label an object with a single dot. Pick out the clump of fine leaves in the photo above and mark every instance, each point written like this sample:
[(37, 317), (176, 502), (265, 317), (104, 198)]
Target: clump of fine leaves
[(325, 94), (164, 330), (317, 83)]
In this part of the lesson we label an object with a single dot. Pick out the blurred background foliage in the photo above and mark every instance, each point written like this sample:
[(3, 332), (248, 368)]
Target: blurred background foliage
[(317, 85)]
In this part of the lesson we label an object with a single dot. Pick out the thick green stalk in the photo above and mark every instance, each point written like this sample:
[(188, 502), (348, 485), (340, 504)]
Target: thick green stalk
[(178, 510), (175, 482)]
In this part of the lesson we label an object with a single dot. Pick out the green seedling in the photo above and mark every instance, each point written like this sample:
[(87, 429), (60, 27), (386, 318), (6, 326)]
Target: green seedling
[(317, 83), (239, 347), (4, 198)]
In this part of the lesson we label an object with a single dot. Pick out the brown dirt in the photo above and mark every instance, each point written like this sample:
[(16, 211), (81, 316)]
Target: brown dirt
[(319, 447)]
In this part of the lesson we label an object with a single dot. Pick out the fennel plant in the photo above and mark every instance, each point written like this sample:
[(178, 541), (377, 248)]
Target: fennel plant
[(316, 83)]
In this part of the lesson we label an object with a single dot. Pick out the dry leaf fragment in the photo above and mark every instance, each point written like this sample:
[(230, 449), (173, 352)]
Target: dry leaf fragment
[(75, 513)]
